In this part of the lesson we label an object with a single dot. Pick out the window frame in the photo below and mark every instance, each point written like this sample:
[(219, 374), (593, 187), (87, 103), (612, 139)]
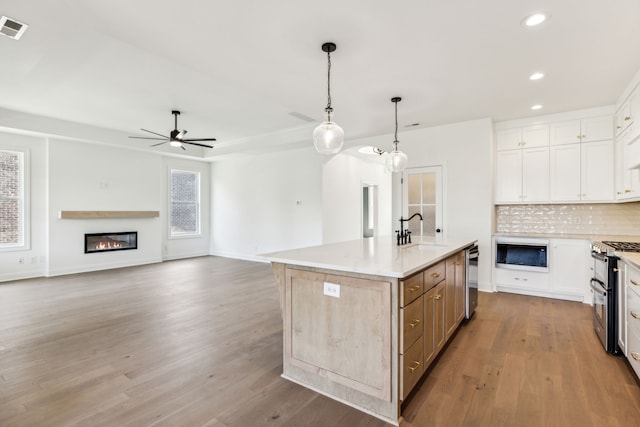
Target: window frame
[(25, 185), (185, 235)]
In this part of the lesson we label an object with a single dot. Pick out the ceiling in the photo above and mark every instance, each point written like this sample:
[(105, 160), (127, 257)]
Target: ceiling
[(248, 72)]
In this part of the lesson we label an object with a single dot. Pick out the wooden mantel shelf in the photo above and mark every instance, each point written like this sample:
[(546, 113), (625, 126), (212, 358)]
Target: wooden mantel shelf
[(107, 214)]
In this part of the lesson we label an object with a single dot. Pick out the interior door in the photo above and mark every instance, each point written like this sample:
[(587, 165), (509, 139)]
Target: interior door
[(422, 192)]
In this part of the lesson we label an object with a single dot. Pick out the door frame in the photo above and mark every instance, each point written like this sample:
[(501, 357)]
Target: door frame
[(441, 199)]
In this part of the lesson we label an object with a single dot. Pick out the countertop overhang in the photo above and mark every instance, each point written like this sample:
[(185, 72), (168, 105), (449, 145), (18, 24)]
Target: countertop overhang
[(379, 256)]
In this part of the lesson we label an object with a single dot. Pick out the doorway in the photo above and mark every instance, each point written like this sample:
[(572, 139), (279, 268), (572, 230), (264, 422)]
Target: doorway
[(369, 210), (423, 191)]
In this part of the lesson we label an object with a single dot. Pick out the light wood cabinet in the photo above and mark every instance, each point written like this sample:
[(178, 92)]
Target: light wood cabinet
[(454, 292), (434, 333)]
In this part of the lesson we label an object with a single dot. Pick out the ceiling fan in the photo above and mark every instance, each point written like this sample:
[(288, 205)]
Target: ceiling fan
[(176, 137)]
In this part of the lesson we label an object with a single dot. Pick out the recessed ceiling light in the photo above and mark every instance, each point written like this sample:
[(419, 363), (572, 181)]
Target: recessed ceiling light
[(535, 19), (536, 76), (368, 149), (536, 107)]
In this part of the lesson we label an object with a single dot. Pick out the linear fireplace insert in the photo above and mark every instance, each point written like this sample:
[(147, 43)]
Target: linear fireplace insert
[(106, 242)]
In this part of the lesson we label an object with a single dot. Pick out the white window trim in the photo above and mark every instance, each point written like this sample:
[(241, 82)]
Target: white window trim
[(198, 233), (25, 245)]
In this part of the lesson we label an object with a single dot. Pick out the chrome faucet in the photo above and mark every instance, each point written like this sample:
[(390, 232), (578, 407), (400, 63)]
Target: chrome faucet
[(403, 236)]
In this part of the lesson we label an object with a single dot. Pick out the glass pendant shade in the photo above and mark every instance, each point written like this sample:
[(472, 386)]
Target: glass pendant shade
[(396, 161), (328, 137)]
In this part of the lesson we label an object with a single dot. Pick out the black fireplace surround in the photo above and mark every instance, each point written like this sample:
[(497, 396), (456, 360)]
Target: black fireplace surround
[(107, 242)]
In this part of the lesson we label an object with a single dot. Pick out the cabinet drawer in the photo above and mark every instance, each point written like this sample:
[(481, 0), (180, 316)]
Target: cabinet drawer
[(412, 367), (633, 313), (522, 279), (434, 275), (412, 321), (633, 279), (633, 351), (411, 288)]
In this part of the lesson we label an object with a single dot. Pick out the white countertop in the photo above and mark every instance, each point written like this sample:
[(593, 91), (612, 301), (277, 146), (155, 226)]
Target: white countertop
[(630, 257), (378, 256)]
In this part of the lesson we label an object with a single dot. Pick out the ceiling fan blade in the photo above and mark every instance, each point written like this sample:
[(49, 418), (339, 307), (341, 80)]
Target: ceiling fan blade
[(146, 137), (155, 133), (195, 143), (159, 143), (182, 146), (199, 139)]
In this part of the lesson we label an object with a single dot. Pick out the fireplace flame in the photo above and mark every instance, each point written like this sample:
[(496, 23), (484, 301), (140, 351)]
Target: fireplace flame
[(108, 245)]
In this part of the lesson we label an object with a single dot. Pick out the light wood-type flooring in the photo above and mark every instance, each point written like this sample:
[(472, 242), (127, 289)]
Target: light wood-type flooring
[(198, 342)]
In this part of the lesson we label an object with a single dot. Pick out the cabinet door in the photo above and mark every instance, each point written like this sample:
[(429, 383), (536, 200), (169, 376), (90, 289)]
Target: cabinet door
[(509, 176), (535, 136), (450, 296), (568, 267), (461, 281), (565, 172), (565, 133), (597, 171), (439, 332), (627, 181), (623, 117), (634, 112), (429, 326), (597, 129), (535, 175), (622, 307), (508, 139)]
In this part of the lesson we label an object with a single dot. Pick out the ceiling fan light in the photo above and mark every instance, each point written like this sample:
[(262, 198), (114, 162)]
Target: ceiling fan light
[(396, 161), (175, 143), (328, 138)]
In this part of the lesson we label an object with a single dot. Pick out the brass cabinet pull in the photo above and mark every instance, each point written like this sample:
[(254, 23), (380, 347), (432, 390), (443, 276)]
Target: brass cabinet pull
[(635, 314), (635, 355), (435, 275), (414, 288), (635, 283), (415, 366), (584, 136), (627, 118), (437, 297), (414, 323)]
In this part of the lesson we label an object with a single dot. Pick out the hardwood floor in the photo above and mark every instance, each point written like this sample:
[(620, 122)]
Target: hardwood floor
[(198, 342)]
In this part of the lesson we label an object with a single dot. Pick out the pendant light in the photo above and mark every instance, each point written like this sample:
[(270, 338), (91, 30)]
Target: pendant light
[(328, 137), (396, 160)]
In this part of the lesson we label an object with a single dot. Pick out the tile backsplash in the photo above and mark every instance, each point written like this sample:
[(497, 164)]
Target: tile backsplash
[(606, 218)]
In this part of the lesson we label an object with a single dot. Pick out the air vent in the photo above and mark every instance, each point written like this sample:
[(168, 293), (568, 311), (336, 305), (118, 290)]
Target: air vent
[(12, 28)]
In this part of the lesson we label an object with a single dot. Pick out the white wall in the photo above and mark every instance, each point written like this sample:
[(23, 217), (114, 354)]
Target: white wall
[(93, 177), (466, 151), (266, 203), (35, 255), (342, 179)]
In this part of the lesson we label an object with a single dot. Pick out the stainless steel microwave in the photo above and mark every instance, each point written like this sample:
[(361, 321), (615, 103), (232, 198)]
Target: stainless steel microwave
[(522, 253)]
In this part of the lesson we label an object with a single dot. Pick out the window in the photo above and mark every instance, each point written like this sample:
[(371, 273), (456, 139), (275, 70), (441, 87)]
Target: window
[(185, 203), (12, 200)]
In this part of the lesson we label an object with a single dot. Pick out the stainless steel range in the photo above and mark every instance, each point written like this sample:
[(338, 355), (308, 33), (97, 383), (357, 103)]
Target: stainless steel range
[(604, 285)]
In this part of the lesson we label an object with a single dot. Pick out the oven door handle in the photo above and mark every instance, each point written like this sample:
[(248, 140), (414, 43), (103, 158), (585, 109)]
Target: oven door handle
[(598, 287)]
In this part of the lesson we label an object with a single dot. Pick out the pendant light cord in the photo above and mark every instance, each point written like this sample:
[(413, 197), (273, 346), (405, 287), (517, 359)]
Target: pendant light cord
[(395, 140), (329, 109)]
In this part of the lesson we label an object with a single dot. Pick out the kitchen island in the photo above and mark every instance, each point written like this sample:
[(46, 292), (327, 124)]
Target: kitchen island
[(364, 319)]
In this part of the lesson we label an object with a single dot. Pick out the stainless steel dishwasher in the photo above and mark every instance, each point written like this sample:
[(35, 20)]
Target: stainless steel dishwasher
[(472, 255)]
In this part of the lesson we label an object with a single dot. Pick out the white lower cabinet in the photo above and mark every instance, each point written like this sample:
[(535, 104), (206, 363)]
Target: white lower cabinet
[(568, 267), (632, 284), (567, 276)]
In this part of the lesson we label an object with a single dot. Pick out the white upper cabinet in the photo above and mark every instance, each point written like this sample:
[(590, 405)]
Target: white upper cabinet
[(522, 175), (524, 137), (629, 112), (565, 172), (597, 171), (627, 180), (584, 130)]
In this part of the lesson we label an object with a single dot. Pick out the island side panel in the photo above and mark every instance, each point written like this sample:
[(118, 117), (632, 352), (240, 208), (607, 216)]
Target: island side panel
[(344, 346), (279, 273)]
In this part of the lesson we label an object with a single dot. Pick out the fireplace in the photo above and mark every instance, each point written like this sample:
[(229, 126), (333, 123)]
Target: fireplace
[(107, 242)]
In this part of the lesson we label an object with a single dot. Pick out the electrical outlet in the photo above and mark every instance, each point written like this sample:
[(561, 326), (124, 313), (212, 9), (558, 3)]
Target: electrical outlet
[(332, 289), (21, 260)]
